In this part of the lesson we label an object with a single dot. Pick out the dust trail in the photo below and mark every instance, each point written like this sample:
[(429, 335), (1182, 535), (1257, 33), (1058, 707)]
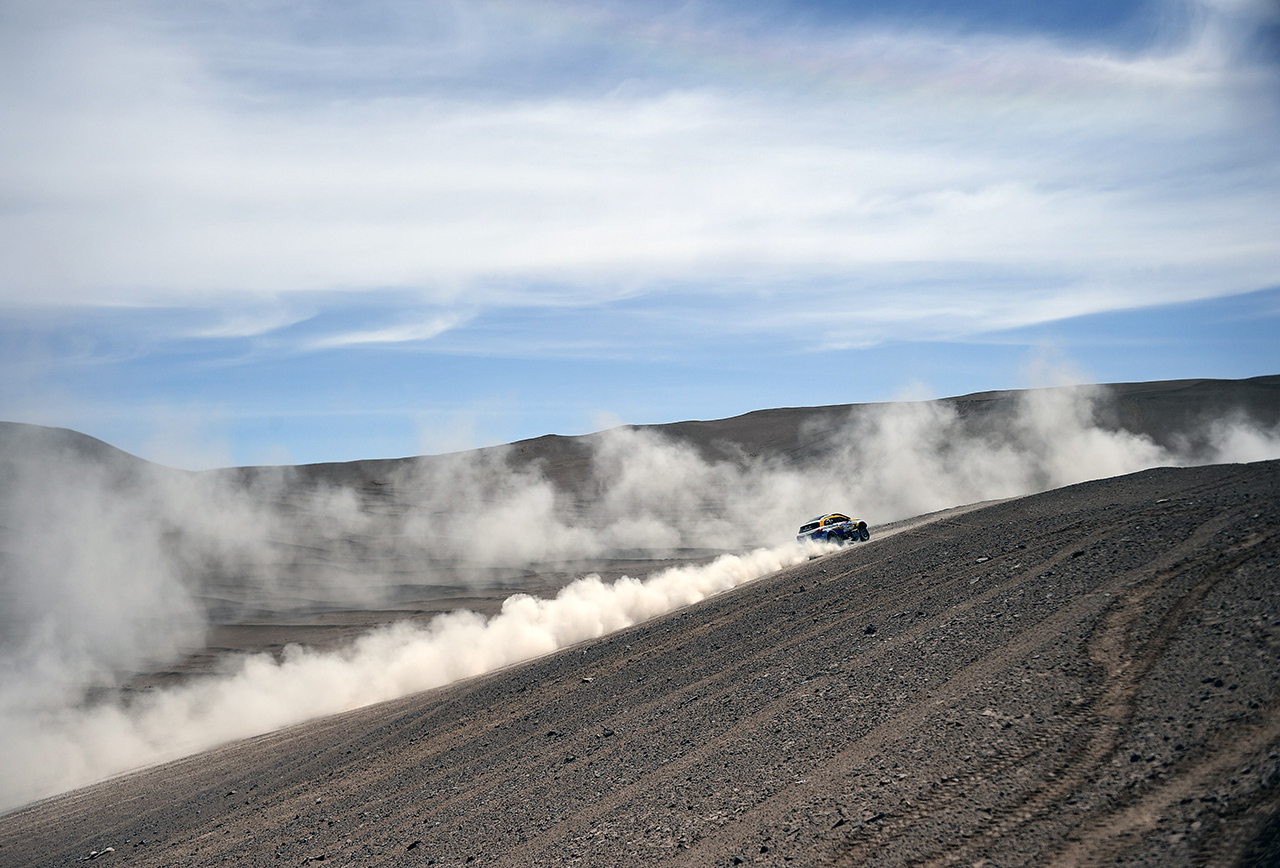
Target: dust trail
[(110, 566), (262, 694)]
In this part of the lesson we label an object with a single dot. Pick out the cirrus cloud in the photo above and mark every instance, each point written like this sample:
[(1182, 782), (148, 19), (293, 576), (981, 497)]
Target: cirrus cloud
[(161, 155)]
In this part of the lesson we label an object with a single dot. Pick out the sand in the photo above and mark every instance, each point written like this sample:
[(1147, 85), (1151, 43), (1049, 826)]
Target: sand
[(1084, 676)]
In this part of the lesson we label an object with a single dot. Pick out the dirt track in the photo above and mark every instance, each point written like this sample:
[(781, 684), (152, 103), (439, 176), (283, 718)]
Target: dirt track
[(1082, 677)]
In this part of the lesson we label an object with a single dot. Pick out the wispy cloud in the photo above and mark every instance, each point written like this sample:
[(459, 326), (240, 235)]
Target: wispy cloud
[(250, 323), (950, 182), (410, 332)]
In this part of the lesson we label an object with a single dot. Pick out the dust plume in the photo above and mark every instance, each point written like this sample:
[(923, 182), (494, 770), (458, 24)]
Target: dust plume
[(258, 694), (112, 566)]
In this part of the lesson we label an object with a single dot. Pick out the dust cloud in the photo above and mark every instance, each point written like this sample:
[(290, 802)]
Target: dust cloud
[(257, 694), (112, 566)]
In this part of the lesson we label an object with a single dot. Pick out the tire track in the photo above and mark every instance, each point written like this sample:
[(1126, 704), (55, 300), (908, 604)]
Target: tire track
[(1107, 716)]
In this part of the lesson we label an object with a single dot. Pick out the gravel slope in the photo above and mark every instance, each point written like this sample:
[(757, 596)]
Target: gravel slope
[(1080, 677)]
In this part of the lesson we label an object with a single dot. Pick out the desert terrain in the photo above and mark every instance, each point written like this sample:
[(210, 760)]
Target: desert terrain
[(311, 561), (1010, 680), (1084, 676)]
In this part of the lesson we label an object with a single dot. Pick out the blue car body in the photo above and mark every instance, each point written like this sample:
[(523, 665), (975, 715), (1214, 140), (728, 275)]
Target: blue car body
[(834, 528)]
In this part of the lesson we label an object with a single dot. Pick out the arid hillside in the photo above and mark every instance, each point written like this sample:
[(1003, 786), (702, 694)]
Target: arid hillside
[(1085, 676)]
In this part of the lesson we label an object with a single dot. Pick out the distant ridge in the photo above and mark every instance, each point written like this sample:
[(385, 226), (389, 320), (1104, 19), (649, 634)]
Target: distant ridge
[(1168, 411), (15, 436), (59, 452), (1173, 413)]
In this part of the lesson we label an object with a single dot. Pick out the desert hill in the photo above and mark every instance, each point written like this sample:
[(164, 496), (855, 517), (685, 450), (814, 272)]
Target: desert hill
[(1176, 414), (158, 573), (1173, 413), (1083, 676)]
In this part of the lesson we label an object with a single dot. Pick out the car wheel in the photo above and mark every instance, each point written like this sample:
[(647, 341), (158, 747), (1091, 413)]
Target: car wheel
[(863, 533)]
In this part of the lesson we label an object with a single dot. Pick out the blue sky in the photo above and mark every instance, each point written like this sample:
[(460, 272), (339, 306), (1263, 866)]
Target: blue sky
[(247, 232)]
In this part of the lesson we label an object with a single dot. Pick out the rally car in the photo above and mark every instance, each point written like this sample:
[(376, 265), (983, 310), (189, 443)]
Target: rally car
[(834, 528)]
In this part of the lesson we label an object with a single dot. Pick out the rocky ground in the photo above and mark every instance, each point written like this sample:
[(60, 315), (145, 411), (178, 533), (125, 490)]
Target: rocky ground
[(1085, 676)]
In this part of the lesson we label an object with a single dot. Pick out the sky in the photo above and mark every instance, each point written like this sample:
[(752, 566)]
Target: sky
[(282, 232)]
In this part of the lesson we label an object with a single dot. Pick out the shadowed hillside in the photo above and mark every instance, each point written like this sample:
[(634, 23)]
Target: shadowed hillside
[(1082, 677)]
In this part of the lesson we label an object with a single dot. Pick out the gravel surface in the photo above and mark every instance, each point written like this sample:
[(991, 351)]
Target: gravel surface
[(1080, 677)]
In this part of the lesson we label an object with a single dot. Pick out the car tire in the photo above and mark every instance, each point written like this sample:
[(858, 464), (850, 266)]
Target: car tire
[(863, 533)]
